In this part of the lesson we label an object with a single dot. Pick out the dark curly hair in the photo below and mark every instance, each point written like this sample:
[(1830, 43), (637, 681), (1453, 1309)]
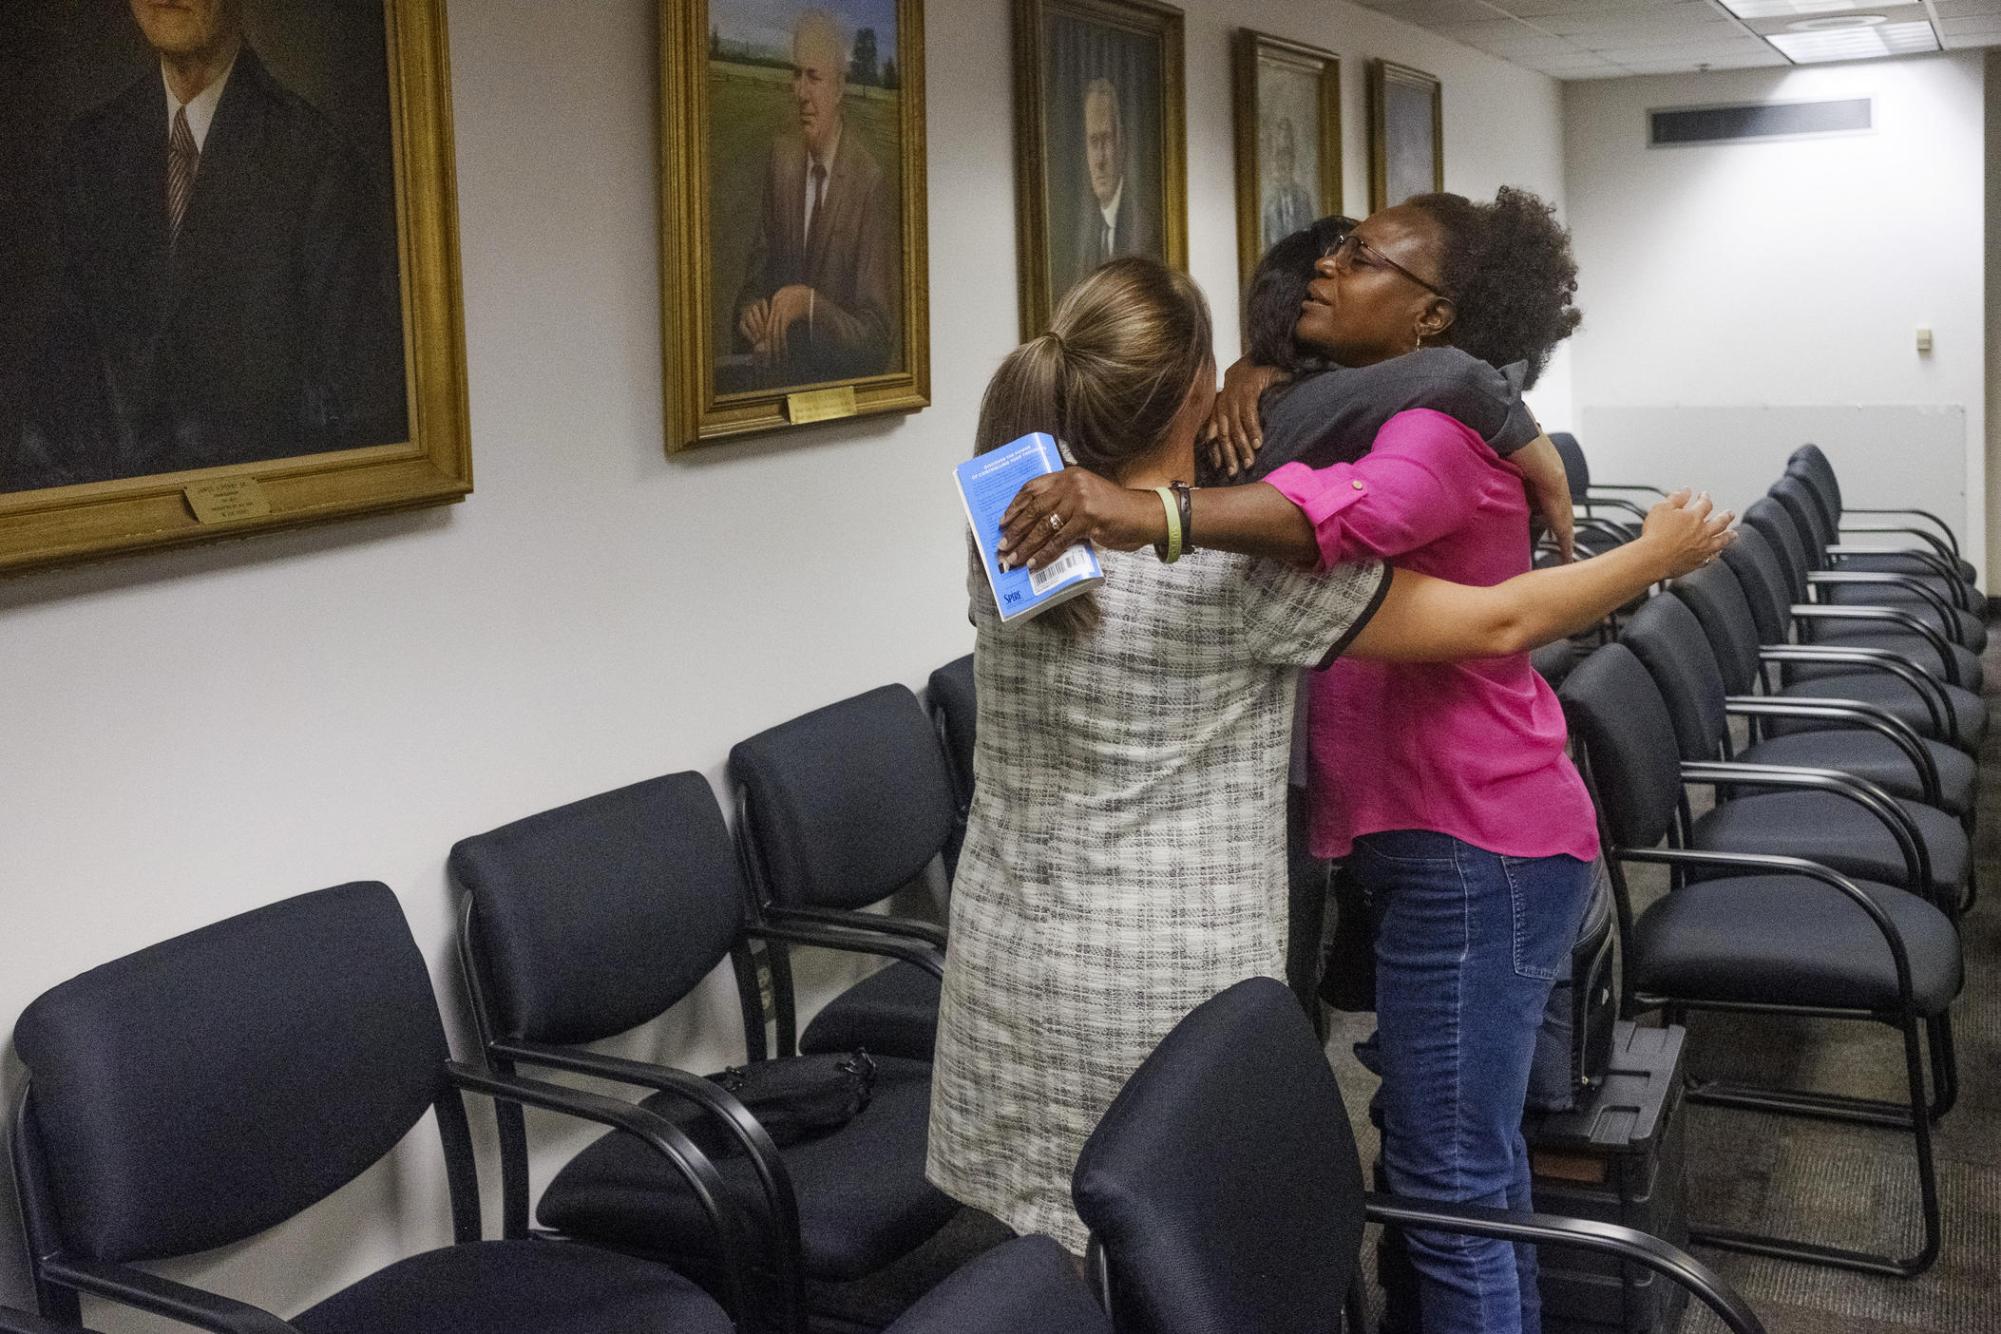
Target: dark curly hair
[(1509, 269), (1278, 288)]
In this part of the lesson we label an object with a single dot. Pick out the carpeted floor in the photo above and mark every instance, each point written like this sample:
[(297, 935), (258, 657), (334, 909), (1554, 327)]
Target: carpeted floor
[(1844, 1185)]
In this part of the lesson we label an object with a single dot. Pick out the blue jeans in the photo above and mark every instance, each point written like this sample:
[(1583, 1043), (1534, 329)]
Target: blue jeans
[(1468, 944)]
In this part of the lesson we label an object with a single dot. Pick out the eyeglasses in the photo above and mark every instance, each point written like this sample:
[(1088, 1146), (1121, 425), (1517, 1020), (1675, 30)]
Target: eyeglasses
[(1343, 254)]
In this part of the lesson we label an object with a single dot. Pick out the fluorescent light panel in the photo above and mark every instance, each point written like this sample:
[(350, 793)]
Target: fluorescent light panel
[(1887, 39), (1786, 9)]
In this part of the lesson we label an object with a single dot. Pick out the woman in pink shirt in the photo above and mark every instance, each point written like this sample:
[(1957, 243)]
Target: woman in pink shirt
[(1446, 786)]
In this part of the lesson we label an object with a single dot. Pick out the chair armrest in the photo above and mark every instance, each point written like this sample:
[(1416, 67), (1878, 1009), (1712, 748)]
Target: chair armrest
[(1612, 503), (1944, 540), (928, 932), (930, 960), (1639, 487), (159, 1296), (1927, 557), (1910, 583), (1868, 715), (1881, 660), (722, 1106), (1909, 620), (657, 1133), (1860, 791), (1755, 863), (1624, 1243)]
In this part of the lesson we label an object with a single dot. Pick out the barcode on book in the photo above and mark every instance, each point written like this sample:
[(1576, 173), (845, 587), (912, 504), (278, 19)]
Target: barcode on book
[(1072, 564)]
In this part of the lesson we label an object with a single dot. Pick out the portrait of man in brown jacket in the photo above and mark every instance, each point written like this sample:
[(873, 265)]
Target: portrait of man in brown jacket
[(822, 296)]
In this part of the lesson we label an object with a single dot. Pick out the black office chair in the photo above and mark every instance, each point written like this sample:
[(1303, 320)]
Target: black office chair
[(1879, 677), (1605, 517), (955, 707), (1781, 935), (837, 810), (198, 1092), (1930, 599), (1895, 630), (1026, 1286), (1811, 464), (592, 919), (1223, 1190), (1828, 553), (1671, 640)]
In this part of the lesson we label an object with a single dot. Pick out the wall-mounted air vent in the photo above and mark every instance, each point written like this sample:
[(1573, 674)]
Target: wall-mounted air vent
[(1679, 127)]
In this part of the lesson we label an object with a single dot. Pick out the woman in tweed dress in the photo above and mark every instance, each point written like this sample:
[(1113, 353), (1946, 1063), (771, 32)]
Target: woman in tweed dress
[(1125, 856)]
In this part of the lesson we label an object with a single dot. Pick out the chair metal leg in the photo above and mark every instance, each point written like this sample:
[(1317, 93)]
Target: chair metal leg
[(1355, 1309), (1751, 1243), (1972, 894), (1944, 1063)]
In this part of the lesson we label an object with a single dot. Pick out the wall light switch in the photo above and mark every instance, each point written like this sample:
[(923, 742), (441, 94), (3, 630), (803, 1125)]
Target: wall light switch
[(1924, 340)]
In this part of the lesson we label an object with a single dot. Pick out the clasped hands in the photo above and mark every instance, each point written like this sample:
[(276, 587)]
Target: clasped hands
[(767, 324)]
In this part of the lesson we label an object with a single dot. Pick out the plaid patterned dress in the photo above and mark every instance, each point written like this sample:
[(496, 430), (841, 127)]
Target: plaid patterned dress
[(1125, 858)]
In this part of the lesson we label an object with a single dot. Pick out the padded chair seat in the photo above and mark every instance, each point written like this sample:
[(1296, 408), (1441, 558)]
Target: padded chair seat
[(1856, 634), (892, 1012), (1892, 563), (510, 1287), (1876, 758), (1788, 940), (863, 1199), (1961, 627), (1968, 724), (1836, 832), (1026, 1286)]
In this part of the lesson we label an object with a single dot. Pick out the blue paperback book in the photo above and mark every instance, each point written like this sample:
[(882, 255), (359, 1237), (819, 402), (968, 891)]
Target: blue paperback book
[(987, 486)]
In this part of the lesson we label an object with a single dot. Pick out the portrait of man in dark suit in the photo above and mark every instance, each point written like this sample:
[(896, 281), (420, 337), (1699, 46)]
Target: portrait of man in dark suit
[(821, 293), (223, 282), (1113, 220)]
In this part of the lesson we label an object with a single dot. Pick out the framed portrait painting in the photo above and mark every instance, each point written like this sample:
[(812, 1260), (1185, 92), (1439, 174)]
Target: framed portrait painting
[(1406, 134), (793, 213), (229, 277), (1100, 160), (1288, 119)]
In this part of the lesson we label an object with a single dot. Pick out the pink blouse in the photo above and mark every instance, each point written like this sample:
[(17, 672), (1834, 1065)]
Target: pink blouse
[(1470, 749)]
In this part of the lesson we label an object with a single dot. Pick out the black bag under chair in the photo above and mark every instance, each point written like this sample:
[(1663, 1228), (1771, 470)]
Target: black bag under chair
[(594, 919)]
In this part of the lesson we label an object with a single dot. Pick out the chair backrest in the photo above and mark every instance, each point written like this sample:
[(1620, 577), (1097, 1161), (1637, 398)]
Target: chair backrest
[(1223, 1182), (955, 700), (1575, 465), (1716, 597), (1797, 499), (1618, 714), (1669, 642), (209, 1087), (592, 918), (1761, 574), (1767, 516), (1812, 463), (847, 804)]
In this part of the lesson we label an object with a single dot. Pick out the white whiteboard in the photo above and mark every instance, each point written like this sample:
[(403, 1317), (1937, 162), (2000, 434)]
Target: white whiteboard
[(1884, 454)]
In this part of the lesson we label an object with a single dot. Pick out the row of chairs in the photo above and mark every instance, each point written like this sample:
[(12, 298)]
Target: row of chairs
[(1829, 874), (204, 1089)]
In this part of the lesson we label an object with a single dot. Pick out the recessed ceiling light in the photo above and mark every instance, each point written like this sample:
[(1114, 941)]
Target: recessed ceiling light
[(1888, 39), (1837, 23), (1784, 9)]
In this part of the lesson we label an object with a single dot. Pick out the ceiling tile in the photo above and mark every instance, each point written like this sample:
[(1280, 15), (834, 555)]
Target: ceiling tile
[(1976, 27), (1965, 9), (1971, 41)]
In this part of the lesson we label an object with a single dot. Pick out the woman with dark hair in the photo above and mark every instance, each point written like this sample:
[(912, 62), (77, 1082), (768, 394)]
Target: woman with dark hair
[(1124, 854), (1445, 785)]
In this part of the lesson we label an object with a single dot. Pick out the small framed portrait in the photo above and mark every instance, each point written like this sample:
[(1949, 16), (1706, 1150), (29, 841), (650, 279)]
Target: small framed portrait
[(793, 213), (229, 276), (1288, 117), (1100, 160), (1406, 134)]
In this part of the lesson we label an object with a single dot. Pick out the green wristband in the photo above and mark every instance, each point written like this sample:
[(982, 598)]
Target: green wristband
[(1171, 552)]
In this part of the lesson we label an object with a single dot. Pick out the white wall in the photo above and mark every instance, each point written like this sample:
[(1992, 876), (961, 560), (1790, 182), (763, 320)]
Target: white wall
[(186, 736), (1787, 273)]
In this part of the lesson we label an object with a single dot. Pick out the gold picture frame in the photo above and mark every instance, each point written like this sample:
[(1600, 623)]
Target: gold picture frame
[(1400, 100), (1279, 84), (51, 524), (723, 77), (1118, 65)]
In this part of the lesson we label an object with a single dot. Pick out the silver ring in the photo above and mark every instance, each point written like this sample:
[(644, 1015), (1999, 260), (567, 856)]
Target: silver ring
[(1055, 523)]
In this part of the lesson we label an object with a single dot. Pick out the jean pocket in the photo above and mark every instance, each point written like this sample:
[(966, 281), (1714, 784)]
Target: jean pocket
[(1539, 951)]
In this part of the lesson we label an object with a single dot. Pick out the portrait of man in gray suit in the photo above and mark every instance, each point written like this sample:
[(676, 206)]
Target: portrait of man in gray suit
[(821, 294)]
